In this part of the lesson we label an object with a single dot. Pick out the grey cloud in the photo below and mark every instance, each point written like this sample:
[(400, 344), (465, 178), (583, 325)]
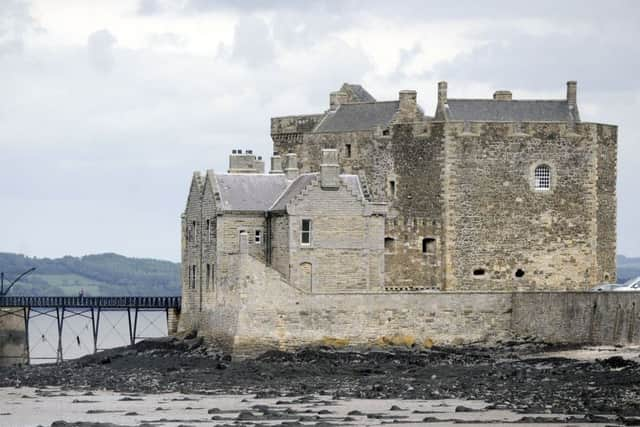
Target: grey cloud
[(253, 44), (15, 22), (100, 50), (533, 62), (149, 7)]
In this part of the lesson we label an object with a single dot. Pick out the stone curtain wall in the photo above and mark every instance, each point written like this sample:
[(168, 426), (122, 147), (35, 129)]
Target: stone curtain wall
[(257, 311), (578, 317), (12, 337)]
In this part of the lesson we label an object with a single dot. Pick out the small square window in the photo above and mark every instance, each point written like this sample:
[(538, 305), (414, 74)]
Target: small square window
[(258, 238), (305, 235)]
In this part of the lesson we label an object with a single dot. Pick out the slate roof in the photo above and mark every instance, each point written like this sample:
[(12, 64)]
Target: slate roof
[(303, 181), (293, 190), (510, 111), (249, 192), (358, 116), (359, 93)]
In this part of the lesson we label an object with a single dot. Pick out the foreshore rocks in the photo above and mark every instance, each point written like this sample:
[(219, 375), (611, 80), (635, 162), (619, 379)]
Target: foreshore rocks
[(514, 376)]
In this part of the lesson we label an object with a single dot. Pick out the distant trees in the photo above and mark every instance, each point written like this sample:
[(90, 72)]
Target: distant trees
[(106, 274)]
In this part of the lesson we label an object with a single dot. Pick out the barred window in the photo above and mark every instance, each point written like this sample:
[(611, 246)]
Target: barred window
[(542, 176)]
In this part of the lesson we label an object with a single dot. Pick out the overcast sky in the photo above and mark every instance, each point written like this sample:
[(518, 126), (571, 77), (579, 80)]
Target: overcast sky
[(107, 107)]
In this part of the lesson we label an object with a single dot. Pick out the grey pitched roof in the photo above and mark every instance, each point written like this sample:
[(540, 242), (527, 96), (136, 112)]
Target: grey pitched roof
[(358, 93), (249, 192), (358, 116), (293, 190), (507, 111), (300, 183)]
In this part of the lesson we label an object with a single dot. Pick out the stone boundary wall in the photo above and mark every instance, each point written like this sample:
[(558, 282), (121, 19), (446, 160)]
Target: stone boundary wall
[(259, 311), (578, 317)]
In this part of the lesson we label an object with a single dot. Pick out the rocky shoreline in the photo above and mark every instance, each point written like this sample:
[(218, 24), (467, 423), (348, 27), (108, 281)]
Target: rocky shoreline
[(513, 376)]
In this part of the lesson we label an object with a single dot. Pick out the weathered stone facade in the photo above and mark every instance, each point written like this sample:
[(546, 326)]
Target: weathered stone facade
[(495, 201), (317, 231), (464, 213)]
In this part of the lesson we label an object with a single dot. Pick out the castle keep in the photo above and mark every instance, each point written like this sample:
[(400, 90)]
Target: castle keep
[(371, 206), (488, 194)]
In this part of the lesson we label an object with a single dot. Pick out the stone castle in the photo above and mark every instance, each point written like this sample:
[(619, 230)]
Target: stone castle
[(375, 198)]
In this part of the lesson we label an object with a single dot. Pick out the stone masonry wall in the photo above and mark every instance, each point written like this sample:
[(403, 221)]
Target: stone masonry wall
[(259, 311), (256, 311), (191, 250), (607, 143), (500, 224), (209, 239), (578, 317), (405, 170), (345, 241)]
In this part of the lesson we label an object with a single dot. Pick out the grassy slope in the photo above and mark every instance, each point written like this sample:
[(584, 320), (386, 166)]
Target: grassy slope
[(104, 274)]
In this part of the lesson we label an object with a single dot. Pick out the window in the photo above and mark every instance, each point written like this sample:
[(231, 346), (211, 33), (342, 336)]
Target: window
[(347, 149), (258, 238), (208, 230), (519, 273), (305, 235), (542, 177), (389, 245), (392, 188), (428, 246), (208, 274)]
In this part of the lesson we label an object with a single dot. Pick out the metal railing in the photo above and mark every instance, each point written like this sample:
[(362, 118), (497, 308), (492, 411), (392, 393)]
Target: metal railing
[(91, 302)]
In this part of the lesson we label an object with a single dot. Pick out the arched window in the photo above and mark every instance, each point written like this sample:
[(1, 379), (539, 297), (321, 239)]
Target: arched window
[(389, 245), (542, 176)]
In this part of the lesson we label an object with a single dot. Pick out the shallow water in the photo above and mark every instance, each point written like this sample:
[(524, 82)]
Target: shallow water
[(77, 335), (31, 407)]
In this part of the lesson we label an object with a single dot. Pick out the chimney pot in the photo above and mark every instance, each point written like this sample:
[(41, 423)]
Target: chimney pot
[(572, 92), (408, 105), (442, 93), (329, 169), (337, 98), (502, 95), (292, 166)]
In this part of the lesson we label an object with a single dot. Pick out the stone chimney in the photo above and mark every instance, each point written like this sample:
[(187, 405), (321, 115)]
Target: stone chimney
[(572, 93), (292, 166), (276, 163), (337, 98), (330, 170), (408, 105), (245, 163), (258, 165), (502, 95), (442, 93)]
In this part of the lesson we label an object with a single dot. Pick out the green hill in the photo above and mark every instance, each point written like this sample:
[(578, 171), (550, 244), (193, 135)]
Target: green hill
[(99, 275), (627, 268)]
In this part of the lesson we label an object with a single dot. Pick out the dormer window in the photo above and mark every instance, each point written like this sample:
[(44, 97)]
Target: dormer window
[(542, 178)]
